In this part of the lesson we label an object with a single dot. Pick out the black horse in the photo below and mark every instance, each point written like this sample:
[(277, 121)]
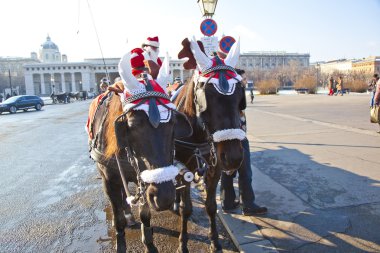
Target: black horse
[(60, 98), (212, 101), (130, 146)]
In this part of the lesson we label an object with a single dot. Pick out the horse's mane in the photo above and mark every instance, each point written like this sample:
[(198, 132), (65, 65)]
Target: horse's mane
[(114, 110), (187, 93)]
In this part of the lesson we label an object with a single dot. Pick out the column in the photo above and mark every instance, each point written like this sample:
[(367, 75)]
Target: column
[(73, 88), (43, 90), (63, 82)]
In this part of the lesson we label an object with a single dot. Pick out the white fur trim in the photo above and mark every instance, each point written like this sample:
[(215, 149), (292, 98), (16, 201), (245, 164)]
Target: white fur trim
[(160, 175), (229, 134), (152, 43)]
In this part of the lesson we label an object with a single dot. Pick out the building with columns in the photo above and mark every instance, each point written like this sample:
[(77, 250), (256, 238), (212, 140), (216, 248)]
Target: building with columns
[(55, 73)]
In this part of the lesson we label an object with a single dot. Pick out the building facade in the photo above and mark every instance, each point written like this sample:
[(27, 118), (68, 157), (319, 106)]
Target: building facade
[(368, 66), (55, 73), (12, 74), (340, 65), (271, 60)]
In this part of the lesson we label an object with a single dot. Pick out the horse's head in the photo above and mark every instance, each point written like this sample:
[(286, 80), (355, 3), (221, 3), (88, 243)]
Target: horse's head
[(152, 153), (219, 99), (146, 130)]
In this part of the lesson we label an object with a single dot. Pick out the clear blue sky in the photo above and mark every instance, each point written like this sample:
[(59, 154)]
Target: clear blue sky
[(327, 29)]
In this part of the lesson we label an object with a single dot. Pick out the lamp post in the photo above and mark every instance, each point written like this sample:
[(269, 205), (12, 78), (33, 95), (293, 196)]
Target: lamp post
[(10, 80), (207, 7)]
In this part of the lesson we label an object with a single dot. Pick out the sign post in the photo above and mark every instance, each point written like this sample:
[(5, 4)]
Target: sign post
[(210, 42)]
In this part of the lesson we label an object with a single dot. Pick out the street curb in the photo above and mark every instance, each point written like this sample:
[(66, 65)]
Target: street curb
[(244, 233)]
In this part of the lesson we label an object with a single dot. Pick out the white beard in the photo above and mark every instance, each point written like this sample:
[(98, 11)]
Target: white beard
[(153, 55)]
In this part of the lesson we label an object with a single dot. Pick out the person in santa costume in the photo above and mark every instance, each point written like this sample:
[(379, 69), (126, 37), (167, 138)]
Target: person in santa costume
[(151, 49)]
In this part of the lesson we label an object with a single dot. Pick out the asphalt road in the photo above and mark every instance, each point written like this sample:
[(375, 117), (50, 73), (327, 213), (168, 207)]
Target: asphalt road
[(51, 198)]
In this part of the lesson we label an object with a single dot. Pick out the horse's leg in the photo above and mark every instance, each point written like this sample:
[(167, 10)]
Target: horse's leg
[(127, 210), (213, 176), (113, 192), (186, 208), (146, 229), (177, 202)]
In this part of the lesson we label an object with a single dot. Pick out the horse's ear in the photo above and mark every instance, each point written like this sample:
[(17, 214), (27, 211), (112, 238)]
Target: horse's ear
[(243, 101), (186, 53), (183, 127)]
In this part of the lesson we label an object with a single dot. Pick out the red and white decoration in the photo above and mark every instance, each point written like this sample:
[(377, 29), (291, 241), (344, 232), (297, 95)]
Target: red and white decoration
[(204, 63), (131, 65), (152, 41)]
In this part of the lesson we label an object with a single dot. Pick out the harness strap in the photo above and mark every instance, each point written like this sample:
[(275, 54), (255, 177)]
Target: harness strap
[(218, 68), (148, 94)]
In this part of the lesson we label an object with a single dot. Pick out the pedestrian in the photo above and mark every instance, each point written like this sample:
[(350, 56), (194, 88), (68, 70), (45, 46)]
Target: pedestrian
[(104, 83), (331, 86), (376, 99), (247, 196), (372, 87), (339, 86), (252, 96)]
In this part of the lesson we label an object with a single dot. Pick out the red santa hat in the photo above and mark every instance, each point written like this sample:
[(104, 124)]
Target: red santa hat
[(137, 61), (151, 42)]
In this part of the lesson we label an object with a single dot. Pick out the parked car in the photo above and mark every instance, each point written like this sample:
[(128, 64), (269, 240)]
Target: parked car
[(23, 102)]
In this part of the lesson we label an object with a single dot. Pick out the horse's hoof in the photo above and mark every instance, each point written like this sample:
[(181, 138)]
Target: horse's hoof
[(176, 208), (182, 250), (151, 249), (130, 220)]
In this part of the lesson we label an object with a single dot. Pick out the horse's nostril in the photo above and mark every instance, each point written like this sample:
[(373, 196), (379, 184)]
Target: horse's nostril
[(223, 157)]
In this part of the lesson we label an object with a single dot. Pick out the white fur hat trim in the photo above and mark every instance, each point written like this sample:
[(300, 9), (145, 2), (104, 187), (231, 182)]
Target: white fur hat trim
[(160, 175), (229, 134)]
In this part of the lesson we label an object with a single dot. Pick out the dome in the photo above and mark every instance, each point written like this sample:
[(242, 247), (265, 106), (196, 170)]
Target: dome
[(48, 44)]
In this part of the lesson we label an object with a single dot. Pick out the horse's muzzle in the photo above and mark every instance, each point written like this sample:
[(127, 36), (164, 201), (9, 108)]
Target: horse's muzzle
[(230, 154), (161, 196)]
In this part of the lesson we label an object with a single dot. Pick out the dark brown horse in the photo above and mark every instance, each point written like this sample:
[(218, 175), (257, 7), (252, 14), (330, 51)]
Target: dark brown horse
[(129, 146), (212, 102)]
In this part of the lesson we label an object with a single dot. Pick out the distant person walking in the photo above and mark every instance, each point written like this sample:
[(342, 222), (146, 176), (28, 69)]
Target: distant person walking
[(331, 86), (339, 86), (376, 98), (372, 87), (252, 96)]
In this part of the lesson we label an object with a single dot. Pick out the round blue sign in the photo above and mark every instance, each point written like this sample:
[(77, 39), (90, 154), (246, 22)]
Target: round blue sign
[(226, 43), (208, 27)]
